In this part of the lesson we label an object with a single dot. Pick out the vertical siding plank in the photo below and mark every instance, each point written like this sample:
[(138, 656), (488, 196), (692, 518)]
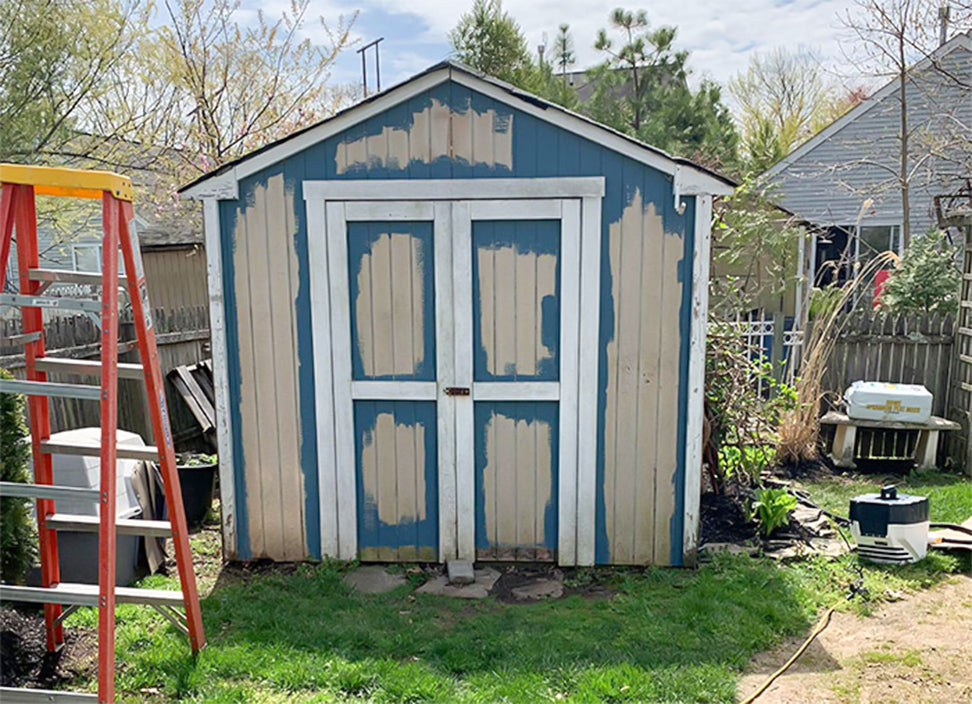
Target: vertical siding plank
[(400, 290), (506, 452), (445, 363), (570, 261), (525, 498), (504, 296), (465, 458), (383, 302), (263, 349), (526, 315)]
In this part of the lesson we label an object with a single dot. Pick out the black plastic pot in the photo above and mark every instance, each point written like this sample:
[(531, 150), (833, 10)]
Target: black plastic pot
[(197, 482)]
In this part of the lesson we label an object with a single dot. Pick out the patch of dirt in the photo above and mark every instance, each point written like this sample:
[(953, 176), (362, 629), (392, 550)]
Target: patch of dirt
[(914, 650), (724, 519), (23, 651), (514, 576)]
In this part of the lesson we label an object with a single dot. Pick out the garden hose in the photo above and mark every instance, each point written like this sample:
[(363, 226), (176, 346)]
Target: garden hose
[(856, 587)]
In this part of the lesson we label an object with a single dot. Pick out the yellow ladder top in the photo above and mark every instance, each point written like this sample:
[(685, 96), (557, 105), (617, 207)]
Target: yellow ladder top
[(76, 183)]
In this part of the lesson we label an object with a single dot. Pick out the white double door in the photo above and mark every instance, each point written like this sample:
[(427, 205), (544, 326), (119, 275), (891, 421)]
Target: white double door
[(455, 366)]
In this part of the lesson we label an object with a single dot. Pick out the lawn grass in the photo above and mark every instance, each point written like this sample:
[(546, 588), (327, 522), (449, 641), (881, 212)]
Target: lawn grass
[(667, 635), (949, 495)]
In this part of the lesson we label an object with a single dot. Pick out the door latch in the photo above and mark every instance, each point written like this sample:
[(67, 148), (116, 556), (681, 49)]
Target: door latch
[(457, 391)]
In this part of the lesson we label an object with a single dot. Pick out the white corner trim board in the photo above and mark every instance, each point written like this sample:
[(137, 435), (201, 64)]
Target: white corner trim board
[(696, 380), (224, 432)]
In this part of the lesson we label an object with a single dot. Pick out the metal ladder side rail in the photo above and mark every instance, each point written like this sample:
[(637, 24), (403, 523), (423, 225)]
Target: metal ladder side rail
[(159, 416), (18, 210)]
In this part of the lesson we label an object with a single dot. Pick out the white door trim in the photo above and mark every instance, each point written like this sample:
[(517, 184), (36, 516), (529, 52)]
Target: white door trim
[(576, 202)]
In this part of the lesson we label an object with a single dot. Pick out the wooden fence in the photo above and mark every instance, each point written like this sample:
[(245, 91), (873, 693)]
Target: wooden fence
[(182, 337), (907, 349)]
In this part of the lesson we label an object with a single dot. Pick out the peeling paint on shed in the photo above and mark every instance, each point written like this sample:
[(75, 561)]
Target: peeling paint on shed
[(450, 131)]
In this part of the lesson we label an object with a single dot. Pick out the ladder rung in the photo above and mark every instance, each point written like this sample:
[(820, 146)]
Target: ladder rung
[(123, 526), (90, 278), (15, 695), (86, 366), (87, 595), (50, 388), (16, 299), (47, 491), (93, 449)]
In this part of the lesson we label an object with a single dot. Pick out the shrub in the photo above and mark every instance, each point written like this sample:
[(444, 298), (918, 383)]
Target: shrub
[(927, 278), (772, 509), (17, 535)]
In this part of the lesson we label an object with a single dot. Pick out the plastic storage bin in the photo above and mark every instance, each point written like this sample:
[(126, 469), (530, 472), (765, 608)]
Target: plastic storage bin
[(78, 552)]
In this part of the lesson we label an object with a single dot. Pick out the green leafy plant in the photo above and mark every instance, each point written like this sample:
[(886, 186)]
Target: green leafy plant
[(194, 459), (17, 536), (926, 279), (749, 460), (772, 509)]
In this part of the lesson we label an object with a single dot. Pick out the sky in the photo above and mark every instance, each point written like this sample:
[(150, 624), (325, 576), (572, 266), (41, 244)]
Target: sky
[(720, 35)]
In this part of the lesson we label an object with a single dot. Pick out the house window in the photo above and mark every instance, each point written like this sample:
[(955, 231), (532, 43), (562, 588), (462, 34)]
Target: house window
[(874, 239), (87, 257)]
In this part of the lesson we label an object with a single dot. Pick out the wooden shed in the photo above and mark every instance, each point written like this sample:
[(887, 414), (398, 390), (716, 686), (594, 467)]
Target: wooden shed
[(458, 321)]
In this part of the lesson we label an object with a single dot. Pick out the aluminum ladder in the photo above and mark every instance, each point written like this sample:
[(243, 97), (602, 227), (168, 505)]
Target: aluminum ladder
[(18, 187)]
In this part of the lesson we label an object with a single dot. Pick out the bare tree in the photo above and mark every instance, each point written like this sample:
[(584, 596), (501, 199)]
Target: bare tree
[(890, 38)]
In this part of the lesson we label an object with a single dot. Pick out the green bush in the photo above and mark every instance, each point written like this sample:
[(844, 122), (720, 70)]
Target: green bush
[(772, 509), (927, 278), (17, 535)]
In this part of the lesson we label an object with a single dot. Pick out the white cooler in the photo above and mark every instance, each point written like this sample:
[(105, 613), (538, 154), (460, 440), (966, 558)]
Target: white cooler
[(880, 400)]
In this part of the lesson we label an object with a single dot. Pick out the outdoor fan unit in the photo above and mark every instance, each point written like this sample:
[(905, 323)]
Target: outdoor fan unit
[(889, 527)]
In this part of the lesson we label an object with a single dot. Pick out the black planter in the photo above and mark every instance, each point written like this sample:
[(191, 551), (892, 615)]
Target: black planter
[(197, 482)]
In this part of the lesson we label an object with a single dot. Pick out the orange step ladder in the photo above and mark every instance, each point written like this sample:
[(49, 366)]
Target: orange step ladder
[(18, 187)]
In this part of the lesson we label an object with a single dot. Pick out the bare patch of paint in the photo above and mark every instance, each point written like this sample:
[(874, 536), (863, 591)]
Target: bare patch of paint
[(516, 290), (478, 138), (393, 456), (635, 379), (517, 481), (388, 307)]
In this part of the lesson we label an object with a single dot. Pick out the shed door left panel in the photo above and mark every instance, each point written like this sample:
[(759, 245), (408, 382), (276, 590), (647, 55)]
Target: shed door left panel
[(381, 500)]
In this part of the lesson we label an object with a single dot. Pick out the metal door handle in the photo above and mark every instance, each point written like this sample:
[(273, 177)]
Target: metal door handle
[(457, 391)]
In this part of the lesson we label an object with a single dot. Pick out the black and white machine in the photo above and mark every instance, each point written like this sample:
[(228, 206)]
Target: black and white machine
[(890, 527)]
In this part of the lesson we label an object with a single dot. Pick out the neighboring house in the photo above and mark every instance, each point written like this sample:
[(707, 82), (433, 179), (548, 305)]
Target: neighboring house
[(843, 181)]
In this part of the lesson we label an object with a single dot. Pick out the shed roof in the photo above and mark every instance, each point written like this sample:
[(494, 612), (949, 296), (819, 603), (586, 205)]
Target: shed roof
[(221, 181)]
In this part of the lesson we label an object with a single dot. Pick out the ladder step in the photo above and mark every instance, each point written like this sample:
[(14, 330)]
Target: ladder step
[(89, 367), (14, 695), (123, 526), (47, 491), (93, 449), (90, 278), (84, 304), (87, 595), (50, 388)]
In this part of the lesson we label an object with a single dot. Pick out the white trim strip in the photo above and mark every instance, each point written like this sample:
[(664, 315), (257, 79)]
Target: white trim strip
[(515, 210), (217, 325), (337, 251), (445, 374), (393, 390), (456, 189), (323, 378), (516, 391), (696, 377), (590, 296), (388, 210), (570, 254), (465, 433)]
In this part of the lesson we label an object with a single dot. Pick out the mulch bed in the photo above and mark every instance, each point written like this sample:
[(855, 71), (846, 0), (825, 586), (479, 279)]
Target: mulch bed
[(724, 519), (23, 651)]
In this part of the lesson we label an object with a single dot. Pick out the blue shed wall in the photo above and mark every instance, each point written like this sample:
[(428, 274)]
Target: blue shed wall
[(536, 149)]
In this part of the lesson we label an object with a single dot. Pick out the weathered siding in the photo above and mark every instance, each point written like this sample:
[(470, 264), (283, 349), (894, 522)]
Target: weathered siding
[(176, 278), (453, 132), (829, 184)]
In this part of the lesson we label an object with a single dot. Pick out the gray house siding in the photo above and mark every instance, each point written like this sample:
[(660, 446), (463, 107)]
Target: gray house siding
[(829, 183)]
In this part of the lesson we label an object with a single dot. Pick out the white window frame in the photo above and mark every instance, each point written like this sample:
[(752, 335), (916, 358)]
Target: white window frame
[(329, 204)]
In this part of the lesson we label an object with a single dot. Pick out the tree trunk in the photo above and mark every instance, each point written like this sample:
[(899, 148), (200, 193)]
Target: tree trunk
[(903, 178)]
